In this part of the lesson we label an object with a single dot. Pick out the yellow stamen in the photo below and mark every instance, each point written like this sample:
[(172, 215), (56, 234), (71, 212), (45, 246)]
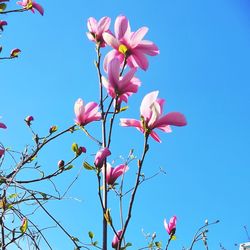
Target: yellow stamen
[(123, 49)]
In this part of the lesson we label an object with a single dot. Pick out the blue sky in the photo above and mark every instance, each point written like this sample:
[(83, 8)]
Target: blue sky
[(202, 71)]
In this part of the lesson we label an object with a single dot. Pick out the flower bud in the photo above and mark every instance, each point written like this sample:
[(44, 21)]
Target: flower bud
[(60, 164), (29, 119)]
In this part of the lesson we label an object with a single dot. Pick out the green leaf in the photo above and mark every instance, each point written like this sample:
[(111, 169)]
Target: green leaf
[(95, 243), (69, 167), (2, 6), (123, 109), (12, 196), (91, 235), (24, 226), (75, 148), (87, 166), (128, 244)]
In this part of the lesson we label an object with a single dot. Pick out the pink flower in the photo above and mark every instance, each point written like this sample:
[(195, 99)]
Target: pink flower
[(15, 52), (114, 173), (32, 5), (96, 29), (171, 226), (116, 239), (2, 23), (86, 114), (129, 45), (151, 113), (101, 156), (119, 86)]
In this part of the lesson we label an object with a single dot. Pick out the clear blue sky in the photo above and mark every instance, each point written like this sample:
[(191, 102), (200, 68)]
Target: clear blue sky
[(202, 71)]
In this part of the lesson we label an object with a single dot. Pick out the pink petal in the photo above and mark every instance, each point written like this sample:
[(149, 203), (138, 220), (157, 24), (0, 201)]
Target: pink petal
[(38, 7), (147, 47), (121, 27), (173, 118), (111, 40), (127, 78), (114, 72), (130, 123), (118, 171), (146, 103), (140, 59), (109, 57), (166, 226), (103, 24), (137, 36), (155, 136), (92, 25), (116, 239), (91, 112)]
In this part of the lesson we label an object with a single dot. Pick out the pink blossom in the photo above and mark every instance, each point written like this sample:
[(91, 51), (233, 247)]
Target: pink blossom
[(101, 156), (116, 239), (2, 23), (171, 226), (117, 85), (113, 173), (151, 113), (96, 29), (129, 45), (86, 113), (32, 5)]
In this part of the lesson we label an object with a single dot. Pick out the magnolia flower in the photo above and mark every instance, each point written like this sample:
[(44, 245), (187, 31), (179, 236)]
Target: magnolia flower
[(15, 52), (129, 45), (117, 85), (113, 173), (2, 23), (151, 117), (32, 5), (86, 113), (96, 29), (116, 239), (100, 157), (171, 226)]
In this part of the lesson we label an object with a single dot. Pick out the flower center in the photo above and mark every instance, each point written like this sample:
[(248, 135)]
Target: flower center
[(123, 49)]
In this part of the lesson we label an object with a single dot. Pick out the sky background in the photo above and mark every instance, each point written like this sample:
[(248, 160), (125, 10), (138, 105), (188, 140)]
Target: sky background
[(202, 71)]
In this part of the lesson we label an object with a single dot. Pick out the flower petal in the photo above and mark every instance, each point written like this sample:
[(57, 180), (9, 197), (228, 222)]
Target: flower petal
[(103, 24), (92, 25), (137, 36), (121, 27), (146, 103), (173, 118)]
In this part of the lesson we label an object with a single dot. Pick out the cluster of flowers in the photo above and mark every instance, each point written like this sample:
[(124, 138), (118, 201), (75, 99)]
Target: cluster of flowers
[(128, 49)]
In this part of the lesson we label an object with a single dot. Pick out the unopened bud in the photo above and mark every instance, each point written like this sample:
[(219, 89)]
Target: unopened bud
[(29, 119), (153, 235), (82, 150), (53, 129), (60, 164)]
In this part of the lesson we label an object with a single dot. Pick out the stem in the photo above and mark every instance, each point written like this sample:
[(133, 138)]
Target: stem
[(131, 203), (168, 243)]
